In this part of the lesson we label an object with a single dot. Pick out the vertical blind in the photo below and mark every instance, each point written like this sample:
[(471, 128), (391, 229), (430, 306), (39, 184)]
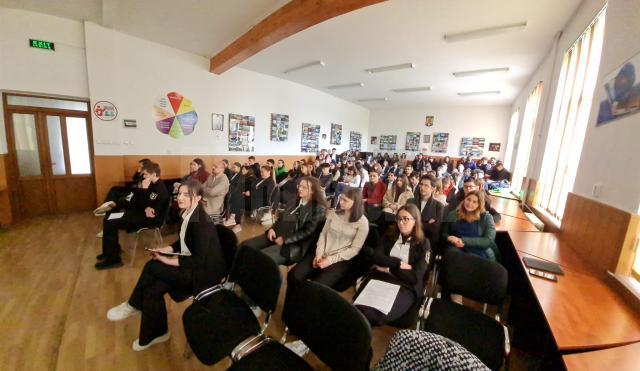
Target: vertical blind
[(513, 128), (570, 114), (526, 137)]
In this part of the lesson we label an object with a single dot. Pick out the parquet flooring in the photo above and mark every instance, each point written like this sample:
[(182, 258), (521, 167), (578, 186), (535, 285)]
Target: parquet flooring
[(53, 303)]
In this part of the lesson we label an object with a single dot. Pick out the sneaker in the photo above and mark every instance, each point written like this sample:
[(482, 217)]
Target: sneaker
[(298, 347), (237, 228), (108, 264), (102, 209), (101, 256), (122, 311), (99, 235), (160, 339)]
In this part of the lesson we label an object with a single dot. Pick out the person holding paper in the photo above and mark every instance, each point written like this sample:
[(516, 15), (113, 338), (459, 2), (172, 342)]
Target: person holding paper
[(199, 264), (145, 208), (401, 260), (341, 239)]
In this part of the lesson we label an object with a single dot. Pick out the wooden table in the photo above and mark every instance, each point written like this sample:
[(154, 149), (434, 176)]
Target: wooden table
[(511, 223), (548, 246), (507, 206), (503, 193), (582, 312), (624, 358)]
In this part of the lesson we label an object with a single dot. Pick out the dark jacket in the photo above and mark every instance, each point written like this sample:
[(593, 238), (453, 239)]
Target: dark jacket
[(419, 259), (496, 175), (454, 199), (486, 230), (206, 263), (155, 197), (236, 187), (300, 226), (432, 210), (261, 190)]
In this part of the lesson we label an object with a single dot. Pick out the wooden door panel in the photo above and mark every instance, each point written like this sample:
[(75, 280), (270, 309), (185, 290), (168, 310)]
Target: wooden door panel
[(32, 197), (74, 193)]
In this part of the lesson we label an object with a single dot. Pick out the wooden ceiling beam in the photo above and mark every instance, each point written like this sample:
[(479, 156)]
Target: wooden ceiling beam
[(295, 16)]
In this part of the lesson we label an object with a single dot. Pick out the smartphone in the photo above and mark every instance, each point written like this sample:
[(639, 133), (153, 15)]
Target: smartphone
[(543, 274)]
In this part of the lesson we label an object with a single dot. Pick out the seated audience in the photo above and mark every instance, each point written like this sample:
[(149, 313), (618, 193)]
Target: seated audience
[(296, 230), (236, 199), (215, 190), (499, 173), (335, 171), (419, 163), (396, 196), (438, 193), (470, 228), (255, 166), (484, 165), (325, 178), (431, 211), (117, 193), (470, 185), (414, 183), (402, 162), (447, 161), (372, 195), (199, 265), (403, 260), (145, 208), (341, 239), (364, 174), (261, 190), (227, 170), (447, 186), (249, 179), (408, 170), (281, 171), (197, 171), (391, 178), (351, 179), (469, 163)]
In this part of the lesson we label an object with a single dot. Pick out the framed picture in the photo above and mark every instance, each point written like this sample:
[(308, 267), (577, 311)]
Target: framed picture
[(217, 122), (412, 141), (279, 127), (622, 92), (130, 123), (241, 133), (324, 136), (388, 142), (374, 140), (494, 147), (428, 121), (336, 134), (426, 138), (310, 138)]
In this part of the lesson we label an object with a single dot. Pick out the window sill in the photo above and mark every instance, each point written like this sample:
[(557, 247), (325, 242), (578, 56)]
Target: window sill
[(631, 285), (548, 218)]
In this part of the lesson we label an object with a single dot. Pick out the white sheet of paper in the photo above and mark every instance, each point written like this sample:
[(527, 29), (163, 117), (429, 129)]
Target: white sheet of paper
[(379, 295), (115, 216)]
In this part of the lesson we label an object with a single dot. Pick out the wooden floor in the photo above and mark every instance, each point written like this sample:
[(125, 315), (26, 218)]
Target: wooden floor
[(53, 303)]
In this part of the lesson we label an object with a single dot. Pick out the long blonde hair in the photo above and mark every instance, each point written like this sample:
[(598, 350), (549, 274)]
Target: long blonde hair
[(467, 216)]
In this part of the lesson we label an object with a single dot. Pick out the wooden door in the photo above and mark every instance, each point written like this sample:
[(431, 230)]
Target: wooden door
[(51, 156)]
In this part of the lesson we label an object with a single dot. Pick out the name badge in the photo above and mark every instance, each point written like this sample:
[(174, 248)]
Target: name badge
[(153, 195)]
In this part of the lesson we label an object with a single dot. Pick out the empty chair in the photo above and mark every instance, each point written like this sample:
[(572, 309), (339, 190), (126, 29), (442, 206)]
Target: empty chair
[(219, 320), (478, 279), (335, 331)]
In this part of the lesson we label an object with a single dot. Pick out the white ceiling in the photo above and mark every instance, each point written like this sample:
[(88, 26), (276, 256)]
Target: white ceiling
[(393, 32)]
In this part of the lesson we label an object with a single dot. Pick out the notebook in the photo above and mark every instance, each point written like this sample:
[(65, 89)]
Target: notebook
[(542, 265)]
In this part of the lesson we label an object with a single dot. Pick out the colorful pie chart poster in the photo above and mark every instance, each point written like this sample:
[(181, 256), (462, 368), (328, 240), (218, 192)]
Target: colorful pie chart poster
[(174, 115)]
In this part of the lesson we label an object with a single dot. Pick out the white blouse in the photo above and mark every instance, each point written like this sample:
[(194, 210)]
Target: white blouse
[(401, 250), (184, 250)]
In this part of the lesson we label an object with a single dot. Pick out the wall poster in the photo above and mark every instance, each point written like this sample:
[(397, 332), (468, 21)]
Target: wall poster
[(374, 140), (440, 142), (174, 115), (388, 142), (355, 141), (241, 133), (336, 134), (622, 92), (279, 127), (310, 138), (413, 141), (426, 138), (473, 147), (494, 147)]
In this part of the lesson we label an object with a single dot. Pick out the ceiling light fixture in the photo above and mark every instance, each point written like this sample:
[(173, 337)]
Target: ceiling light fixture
[(412, 90), (373, 99), (350, 85), (395, 67), (470, 93), (481, 72), (483, 32), (311, 64)]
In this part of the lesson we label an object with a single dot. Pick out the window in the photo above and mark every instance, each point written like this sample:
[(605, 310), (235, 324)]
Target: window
[(526, 137), (513, 128), (569, 118)]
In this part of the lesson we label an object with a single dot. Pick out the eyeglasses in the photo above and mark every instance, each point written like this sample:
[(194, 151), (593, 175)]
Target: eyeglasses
[(404, 220)]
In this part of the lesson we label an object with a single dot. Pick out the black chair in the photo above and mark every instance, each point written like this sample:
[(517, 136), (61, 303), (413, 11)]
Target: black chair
[(220, 322), (480, 280), (229, 243), (155, 228), (333, 329)]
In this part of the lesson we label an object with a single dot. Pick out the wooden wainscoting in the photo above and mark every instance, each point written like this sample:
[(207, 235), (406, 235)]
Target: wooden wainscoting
[(6, 216), (595, 230)]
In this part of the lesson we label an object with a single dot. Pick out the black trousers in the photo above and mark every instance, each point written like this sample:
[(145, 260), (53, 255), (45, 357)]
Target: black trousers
[(116, 193), (404, 301), (156, 280), (328, 276), (271, 249), (129, 221)]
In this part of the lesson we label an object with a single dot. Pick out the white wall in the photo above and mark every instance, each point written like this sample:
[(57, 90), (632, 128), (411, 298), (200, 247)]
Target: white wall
[(25, 69), (489, 122), (132, 72), (610, 152)]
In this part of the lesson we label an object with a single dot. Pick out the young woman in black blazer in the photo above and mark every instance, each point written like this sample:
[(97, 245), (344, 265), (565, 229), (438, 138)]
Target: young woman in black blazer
[(403, 260), (261, 189), (199, 265)]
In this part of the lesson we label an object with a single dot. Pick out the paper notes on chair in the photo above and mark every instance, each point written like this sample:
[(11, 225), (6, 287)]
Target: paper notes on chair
[(379, 295), (115, 216)]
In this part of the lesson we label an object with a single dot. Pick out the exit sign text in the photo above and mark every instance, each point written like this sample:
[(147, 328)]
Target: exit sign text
[(41, 44)]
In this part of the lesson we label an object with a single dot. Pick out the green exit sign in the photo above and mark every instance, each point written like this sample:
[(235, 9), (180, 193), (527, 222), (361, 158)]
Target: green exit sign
[(40, 44)]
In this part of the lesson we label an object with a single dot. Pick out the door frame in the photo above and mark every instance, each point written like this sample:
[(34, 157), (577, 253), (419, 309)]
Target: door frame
[(43, 145)]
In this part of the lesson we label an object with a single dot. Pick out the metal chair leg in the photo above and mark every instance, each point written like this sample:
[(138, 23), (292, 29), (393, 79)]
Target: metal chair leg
[(133, 253)]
